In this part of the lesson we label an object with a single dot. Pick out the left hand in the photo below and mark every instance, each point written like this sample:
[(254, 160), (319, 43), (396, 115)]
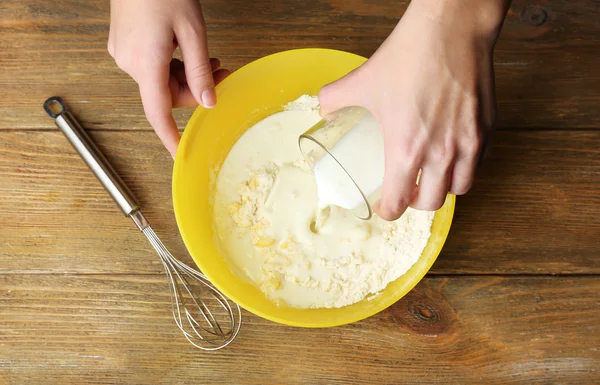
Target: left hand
[(142, 39), (431, 88)]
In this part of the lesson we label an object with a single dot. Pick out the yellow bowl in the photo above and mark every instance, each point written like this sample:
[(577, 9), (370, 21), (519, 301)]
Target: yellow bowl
[(249, 95)]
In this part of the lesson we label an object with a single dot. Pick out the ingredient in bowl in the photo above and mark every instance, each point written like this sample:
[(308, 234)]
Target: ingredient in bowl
[(270, 230)]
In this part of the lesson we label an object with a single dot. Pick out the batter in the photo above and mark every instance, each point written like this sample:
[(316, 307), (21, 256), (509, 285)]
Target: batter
[(265, 217)]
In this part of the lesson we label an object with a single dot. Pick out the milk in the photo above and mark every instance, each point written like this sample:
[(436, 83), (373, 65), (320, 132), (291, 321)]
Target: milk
[(360, 153)]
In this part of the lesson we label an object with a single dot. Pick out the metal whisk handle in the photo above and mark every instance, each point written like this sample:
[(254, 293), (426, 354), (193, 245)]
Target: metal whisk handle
[(94, 158)]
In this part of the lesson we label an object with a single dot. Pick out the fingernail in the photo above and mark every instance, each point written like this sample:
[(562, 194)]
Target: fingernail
[(209, 98)]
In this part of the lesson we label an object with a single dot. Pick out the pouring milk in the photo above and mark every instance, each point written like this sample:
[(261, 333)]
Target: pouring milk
[(349, 173)]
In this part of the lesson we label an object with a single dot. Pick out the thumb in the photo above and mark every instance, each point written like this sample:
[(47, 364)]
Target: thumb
[(345, 92), (198, 70)]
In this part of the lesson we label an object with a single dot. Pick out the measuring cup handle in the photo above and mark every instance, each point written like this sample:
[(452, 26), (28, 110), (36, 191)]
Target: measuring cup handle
[(91, 155)]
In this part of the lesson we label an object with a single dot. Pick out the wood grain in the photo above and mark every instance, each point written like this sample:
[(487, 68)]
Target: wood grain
[(513, 298), (546, 59), (534, 209), (118, 329)]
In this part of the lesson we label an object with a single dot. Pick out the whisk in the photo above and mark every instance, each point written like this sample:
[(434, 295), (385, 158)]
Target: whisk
[(210, 322)]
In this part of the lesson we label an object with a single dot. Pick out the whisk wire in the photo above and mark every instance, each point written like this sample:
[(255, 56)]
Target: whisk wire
[(211, 336), (179, 299), (217, 295)]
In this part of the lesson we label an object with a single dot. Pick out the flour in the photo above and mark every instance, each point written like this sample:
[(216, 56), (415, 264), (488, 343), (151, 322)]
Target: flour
[(266, 220), (303, 103)]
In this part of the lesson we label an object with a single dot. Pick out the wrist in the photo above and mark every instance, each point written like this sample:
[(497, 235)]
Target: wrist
[(477, 19)]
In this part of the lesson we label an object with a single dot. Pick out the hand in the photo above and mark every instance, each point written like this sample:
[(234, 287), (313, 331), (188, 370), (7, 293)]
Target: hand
[(431, 88), (143, 37)]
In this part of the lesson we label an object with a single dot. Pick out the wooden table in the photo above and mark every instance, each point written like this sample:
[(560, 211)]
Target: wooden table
[(513, 298)]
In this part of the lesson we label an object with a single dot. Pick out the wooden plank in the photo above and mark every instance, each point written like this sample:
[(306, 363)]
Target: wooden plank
[(534, 209), (546, 60), (461, 330)]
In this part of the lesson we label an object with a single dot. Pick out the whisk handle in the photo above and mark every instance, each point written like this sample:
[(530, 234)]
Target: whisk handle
[(91, 155)]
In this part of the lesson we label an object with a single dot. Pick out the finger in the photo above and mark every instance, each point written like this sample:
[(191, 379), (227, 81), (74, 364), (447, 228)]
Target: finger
[(220, 75), (177, 70), (486, 148), (181, 95), (215, 64), (198, 68), (345, 92), (399, 186), (469, 157), (463, 175), (156, 98), (432, 189)]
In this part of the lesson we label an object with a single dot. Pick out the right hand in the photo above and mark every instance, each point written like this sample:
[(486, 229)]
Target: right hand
[(143, 37), (433, 97)]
